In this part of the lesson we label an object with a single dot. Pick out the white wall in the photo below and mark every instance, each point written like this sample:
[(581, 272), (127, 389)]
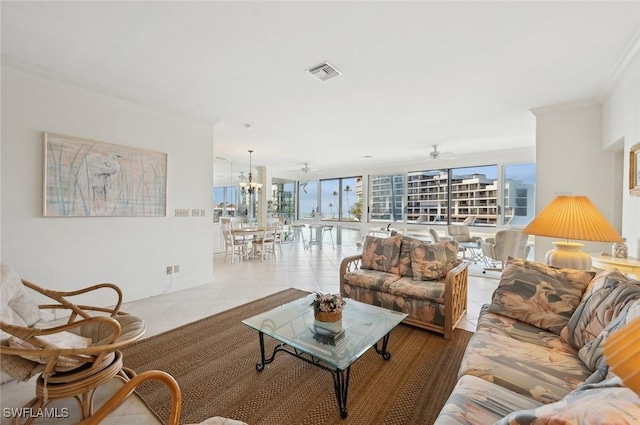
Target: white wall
[(621, 116), (570, 160), (133, 252)]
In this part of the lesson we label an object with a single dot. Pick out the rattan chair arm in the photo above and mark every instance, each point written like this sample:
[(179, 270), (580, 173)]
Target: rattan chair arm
[(353, 262), (127, 389), (78, 310), (30, 335)]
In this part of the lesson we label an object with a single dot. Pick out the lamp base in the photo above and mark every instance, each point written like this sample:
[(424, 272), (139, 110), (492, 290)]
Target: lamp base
[(568, 255)]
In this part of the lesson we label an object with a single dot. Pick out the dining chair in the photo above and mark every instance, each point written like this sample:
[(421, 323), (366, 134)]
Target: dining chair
[(265, 243), (279, 234), (236, 246)]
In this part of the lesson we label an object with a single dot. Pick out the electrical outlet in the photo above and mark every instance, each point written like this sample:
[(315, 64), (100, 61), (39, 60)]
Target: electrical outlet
[(195, 213), (203, 213), (182, 213), (169, 270), (176, 268)]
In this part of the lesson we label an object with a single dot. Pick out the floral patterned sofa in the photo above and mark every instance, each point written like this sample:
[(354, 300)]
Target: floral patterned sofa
[(536, 356), (427, 281)]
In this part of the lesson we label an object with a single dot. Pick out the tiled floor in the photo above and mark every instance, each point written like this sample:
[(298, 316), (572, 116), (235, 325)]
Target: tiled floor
[(233, 285)]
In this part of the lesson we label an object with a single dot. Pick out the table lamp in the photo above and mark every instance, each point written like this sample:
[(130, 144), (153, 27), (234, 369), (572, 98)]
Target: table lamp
[(622, 353), (571, 217)]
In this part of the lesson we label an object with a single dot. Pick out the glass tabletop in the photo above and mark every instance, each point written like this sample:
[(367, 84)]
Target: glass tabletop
[(293, 324)]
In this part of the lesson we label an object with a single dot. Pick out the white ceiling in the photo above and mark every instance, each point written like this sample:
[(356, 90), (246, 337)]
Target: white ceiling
[(463, 75)]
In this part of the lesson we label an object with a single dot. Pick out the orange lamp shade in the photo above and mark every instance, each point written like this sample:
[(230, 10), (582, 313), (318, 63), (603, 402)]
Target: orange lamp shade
[(572, 217), (622, 353)]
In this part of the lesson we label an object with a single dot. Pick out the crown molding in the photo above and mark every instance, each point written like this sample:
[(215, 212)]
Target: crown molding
[(562, 107), (629, 57), (108, 90)]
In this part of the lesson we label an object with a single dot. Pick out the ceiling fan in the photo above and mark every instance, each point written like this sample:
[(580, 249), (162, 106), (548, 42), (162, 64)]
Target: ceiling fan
[(305, 169), (436, 154)]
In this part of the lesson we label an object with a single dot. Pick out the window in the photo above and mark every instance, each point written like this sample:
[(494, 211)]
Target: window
[(519, 194), (308, 199), (427, 196), (282, 202), (474, 195), (330, 199), (225, 202), (386, 197), (341, 199)]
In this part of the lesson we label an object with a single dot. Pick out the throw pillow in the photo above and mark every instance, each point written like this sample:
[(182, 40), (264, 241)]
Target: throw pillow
[(54, 341), (404, 264), (381, 254), (608, 403), (627, 307), (432, 261), (537, 294), (599, 304)]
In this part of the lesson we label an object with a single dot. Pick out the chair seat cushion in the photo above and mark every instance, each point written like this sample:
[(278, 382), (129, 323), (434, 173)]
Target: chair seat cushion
[(54, 341), (130, 327)]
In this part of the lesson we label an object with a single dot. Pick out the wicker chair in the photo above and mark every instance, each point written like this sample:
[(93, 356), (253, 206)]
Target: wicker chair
[(176, 400), (71, 357)]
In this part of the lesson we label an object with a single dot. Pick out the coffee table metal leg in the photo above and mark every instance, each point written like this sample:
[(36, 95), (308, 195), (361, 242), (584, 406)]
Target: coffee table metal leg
[(340, 377), (341, 386), (385, 354), (262, 362)]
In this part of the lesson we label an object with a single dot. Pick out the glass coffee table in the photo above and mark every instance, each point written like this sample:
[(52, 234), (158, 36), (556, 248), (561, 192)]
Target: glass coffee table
[(331, 346)]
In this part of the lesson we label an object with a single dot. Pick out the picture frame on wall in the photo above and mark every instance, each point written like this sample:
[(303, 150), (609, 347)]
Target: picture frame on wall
[(88, 178), (634, 170)]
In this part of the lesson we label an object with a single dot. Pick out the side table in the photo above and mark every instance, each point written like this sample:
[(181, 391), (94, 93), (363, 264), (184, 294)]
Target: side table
[(607, 262)]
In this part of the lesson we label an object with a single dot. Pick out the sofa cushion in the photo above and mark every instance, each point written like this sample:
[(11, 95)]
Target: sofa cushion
[(381, 254), (608, 403), (371, 279), (475, 401), (432, 290), (534, 370), (432, 261), (600, 304), (538, 294)]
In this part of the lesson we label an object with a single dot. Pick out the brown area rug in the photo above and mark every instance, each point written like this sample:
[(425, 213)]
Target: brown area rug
[(214, 361)]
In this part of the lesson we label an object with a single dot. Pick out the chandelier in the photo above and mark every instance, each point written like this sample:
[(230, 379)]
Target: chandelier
[(250, 187)]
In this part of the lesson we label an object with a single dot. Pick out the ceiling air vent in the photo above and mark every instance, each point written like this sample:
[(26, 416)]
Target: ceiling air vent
[(324, 71)]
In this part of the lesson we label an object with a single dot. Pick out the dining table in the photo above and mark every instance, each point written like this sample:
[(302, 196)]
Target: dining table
[(249, 232)]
